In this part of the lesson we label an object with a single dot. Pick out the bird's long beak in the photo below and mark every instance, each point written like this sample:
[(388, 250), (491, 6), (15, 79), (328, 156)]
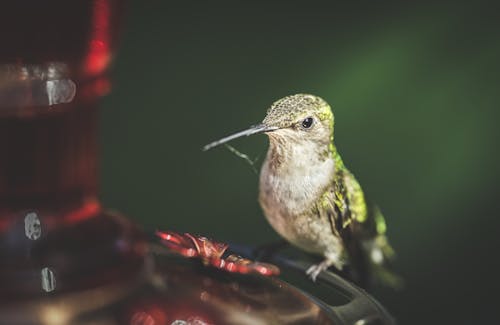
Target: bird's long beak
[(255, 129)]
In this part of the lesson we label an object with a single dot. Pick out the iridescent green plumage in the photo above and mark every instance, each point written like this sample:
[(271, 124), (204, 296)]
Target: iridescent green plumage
[(360, 225)]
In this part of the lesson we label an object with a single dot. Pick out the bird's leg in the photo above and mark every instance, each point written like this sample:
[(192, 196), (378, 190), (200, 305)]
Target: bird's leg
[(314, 270)]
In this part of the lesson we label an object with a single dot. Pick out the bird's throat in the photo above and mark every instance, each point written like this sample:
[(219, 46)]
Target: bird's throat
[(294, 174)]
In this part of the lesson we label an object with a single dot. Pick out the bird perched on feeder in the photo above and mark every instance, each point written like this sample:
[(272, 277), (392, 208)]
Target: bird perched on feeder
[(309, 196)]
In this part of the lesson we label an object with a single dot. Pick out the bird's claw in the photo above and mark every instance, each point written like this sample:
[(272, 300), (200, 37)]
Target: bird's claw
[(314, 270)]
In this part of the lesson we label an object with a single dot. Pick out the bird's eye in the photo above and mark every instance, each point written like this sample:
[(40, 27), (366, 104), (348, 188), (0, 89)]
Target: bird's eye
[(307, 122)]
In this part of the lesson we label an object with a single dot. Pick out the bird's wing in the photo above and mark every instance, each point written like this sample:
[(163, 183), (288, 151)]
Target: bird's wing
[(355, 199), (361, 226), (335, 205), (365, 236), (347, 200), (364, 221)]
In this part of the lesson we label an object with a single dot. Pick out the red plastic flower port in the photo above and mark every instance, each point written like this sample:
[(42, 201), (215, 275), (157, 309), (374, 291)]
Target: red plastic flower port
[(210, 252)]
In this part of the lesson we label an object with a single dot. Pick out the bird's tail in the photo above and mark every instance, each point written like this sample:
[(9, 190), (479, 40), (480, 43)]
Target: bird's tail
[(372, 255), (381, 257)]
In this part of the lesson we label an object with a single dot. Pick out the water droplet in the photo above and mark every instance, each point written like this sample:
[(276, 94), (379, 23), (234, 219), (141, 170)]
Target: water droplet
[(32, 226), (48, 280), (60, 91)]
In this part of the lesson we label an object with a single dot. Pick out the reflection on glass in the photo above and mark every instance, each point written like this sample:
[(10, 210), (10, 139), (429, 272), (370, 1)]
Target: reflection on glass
[(32, 226), (48, 280), (34, 85)]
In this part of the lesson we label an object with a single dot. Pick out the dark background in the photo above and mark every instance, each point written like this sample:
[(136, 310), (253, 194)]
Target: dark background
[(414, 90)]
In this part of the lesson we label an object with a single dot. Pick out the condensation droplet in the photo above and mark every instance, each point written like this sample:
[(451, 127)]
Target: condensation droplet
[(32, 226), (48, 280), (60, 91)]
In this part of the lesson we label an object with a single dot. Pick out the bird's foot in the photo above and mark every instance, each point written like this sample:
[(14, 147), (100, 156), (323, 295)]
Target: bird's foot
[(331, 259), (314, 270)]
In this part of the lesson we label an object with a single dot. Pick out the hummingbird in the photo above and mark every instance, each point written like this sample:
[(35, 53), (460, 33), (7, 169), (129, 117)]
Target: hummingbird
[(309, 196)]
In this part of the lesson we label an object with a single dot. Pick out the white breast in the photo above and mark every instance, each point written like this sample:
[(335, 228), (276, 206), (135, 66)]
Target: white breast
[(291, 188)]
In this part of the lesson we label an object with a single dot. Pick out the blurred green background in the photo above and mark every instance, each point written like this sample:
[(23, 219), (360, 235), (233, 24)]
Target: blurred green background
[(414, 89)]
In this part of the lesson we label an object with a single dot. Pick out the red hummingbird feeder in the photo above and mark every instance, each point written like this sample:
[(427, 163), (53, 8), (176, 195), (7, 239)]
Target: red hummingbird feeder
[(65, 259)]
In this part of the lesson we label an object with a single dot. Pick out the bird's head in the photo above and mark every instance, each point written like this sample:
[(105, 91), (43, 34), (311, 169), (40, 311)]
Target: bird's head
[(299, 118)]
